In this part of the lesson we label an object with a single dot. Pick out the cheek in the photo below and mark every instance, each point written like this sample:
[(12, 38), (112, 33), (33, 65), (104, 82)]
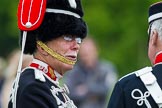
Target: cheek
[(151, 53), (63, 48)]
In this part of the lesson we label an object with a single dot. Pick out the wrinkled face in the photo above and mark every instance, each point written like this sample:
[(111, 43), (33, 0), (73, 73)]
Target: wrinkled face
[(67, 46)]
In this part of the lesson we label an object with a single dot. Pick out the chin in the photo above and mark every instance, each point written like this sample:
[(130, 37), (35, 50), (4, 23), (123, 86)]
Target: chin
[(68, 67)]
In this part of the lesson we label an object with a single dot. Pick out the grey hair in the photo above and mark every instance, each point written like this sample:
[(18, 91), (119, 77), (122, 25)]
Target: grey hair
[(157, 25)]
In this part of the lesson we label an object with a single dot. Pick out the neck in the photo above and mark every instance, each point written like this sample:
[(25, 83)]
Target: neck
[(56, 64)]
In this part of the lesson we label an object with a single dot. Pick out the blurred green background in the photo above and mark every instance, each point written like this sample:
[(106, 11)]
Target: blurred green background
[(118, 26)]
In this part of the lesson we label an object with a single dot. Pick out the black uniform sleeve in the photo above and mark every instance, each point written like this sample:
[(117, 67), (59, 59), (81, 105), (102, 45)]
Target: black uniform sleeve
[(117, 97), (36, 95)]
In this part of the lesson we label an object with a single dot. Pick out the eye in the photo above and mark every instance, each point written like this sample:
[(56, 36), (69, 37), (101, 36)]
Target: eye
[(78, 40), (68, 38)]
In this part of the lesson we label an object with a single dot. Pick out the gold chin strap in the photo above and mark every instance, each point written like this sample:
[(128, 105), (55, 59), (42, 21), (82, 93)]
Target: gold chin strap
[(54, 54)]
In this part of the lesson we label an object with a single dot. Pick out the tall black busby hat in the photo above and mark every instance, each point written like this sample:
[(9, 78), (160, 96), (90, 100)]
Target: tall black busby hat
[(45, 20), (155, 12)]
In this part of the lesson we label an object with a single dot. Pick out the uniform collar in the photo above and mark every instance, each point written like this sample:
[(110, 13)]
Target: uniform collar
[(45, 68), (158, 58)]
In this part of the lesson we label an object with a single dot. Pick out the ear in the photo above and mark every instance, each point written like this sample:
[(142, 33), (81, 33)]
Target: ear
[(154, 37), (42, 51)]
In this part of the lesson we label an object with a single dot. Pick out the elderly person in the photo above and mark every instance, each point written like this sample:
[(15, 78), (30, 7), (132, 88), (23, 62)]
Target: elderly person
[(142, 88), (51, 31)]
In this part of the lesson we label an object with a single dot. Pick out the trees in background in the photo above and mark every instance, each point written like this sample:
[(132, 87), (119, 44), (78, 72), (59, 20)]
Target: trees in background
[(8, 27), (119, 27)]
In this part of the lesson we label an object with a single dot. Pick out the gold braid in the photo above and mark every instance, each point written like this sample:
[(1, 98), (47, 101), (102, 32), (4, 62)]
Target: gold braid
[(54, 54)]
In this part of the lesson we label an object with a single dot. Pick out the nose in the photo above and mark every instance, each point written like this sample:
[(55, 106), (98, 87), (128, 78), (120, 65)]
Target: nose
[(75, 45)]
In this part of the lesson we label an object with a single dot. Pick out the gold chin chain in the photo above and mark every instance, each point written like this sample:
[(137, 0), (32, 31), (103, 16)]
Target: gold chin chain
[(54, 54)]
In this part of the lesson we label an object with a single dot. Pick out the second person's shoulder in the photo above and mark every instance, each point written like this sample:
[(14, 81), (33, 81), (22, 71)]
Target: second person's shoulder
[(132, 78)]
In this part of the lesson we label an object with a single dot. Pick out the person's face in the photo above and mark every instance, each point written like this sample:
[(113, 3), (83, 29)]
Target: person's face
[(67, 46)]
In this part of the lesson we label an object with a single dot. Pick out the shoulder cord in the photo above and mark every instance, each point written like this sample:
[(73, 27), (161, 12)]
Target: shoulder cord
[(15, 88)]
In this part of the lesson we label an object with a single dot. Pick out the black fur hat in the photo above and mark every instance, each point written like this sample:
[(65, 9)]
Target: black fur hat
[(66, 19)]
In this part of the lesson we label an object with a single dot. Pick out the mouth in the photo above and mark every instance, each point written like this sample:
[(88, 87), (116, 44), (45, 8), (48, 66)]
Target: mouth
[(71, 57)]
